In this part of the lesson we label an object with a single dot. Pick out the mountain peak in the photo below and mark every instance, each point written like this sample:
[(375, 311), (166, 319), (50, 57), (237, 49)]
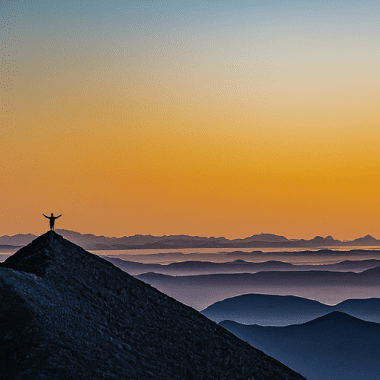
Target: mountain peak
[(47, 250), (366, 239), (335, 317), (66, 313)]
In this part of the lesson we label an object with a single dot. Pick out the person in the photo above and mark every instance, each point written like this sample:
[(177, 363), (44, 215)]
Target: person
[(52, 220)]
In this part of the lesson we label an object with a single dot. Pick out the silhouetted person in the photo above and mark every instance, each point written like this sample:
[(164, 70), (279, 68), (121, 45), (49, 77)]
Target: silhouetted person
[(52, 219)]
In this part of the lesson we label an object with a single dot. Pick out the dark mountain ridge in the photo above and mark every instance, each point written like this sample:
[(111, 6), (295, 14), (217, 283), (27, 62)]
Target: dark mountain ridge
[(68, 314)]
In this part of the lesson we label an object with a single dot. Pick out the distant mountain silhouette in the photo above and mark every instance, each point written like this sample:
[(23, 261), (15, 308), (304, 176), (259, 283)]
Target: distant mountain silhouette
[(351, 265), (256, 256), (198, 267), (272, 310), (3, 257), (265, 310), (333, 347), (366, 309), (68, 314), (366, 240), (263, 237), (93, 242), (237, 266), (7, 247), (369, 273), (17, 240), (201, 291)]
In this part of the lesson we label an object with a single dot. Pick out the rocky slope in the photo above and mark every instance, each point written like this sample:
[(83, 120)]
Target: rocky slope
[(68, 314)]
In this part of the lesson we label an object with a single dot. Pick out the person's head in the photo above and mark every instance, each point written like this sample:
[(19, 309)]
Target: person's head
[(51, 214)]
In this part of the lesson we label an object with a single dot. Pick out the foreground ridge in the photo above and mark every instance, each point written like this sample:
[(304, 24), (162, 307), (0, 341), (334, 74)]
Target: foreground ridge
[(66, 313)]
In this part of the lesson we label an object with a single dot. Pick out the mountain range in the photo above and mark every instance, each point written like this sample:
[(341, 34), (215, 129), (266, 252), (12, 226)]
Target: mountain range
[(272, 310), (200, 291), (333, 347), (68, 314), (93, 242), (189, 268)]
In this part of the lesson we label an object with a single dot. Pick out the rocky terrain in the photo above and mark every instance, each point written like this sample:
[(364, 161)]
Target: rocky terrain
[(68, 314)]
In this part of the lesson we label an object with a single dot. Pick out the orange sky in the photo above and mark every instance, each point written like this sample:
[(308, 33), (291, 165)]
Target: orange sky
[(224, 128)]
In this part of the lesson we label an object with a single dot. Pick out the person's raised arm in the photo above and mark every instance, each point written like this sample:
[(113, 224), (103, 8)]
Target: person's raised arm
[(58, 216), (45, 216)]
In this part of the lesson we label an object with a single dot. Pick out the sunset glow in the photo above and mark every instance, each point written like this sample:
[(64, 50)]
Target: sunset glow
[(191, 117)]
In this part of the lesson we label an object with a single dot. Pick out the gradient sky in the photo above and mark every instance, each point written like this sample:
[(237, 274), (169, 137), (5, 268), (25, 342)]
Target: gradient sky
[(212, 118)]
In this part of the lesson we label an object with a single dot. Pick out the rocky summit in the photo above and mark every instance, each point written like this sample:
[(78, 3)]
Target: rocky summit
[(68, 314)]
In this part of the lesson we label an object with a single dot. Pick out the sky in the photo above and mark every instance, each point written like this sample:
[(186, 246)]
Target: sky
[(208, 118)]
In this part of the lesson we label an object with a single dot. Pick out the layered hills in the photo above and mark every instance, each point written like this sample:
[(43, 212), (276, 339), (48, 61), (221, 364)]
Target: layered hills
[(193, 267), (200, 291), (333, 347), (68, 314), (272, 310)]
